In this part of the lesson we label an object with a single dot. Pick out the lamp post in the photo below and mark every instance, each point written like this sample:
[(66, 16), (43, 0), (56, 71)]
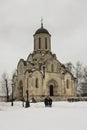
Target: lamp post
[(27, 101), (7, 90), (12, 94), (27, 93)]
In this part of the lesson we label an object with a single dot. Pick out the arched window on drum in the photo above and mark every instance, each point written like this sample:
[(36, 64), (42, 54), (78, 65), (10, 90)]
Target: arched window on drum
[(39, 43), (20, 89)]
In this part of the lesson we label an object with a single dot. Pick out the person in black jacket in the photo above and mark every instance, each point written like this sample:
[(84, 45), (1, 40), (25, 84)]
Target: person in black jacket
[(46, 101), (49, 102)]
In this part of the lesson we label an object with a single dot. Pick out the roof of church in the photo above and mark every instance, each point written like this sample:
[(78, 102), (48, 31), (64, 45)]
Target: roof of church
[(41, 30)]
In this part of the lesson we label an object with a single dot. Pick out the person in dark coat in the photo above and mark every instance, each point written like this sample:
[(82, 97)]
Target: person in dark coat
[(46, 101), (49, 102)]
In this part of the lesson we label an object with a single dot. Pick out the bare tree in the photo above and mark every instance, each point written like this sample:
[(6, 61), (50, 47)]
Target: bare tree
[(85, 73), (5, 84), (79, 76), (79, 72), (70, 67)]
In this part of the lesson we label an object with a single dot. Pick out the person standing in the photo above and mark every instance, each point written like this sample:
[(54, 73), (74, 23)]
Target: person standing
[(49, 102), (46, 101)]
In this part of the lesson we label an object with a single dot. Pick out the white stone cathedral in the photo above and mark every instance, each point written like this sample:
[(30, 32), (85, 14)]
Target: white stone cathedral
[(42, 74)]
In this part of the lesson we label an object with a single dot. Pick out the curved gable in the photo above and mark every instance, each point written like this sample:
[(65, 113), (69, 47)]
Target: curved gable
[(29, 58), (52, 65), (20, 66), (68, 74), (21, 61)]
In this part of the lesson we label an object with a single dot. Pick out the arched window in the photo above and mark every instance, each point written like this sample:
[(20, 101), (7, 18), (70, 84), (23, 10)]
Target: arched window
[(39, 43), (20, 89), (67, 84), (46, 43), (52, 68), (36, 82), (20, 84)]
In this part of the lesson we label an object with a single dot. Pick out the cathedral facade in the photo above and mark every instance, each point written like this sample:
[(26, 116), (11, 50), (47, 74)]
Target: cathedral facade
[(42, 74)]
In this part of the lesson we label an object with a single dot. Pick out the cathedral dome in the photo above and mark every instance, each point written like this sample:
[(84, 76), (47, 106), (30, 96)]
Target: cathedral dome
[(41, 30)]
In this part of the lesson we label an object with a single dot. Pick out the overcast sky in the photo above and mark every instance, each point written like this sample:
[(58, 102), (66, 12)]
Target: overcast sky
[(66, 21)]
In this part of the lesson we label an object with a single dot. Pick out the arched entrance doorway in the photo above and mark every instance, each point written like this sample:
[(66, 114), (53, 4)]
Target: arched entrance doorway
[(51, 90), (52, 87)]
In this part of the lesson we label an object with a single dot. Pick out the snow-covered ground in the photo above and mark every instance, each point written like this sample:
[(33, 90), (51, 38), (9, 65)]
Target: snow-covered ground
[(61, 116)]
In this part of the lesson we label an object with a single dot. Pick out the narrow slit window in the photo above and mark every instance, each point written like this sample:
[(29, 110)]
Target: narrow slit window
[(67, 84), (45, 43), (39, 43), (36, 82)]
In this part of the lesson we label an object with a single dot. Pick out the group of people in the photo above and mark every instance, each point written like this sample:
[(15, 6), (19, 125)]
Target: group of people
[(48, 102)]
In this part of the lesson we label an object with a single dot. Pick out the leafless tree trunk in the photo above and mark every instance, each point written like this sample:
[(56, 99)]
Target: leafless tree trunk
[(85, 73), (5, 85), (7, 91), (79, 71)]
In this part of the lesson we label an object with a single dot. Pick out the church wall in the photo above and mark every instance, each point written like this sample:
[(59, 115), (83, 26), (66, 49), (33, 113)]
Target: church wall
[(52, 65), (52, 77), (34, 89), (21, 68), (15, 87), (47, 56), (63, 88), (37, 58), (43, 84), (69, 91), (21, 79)]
